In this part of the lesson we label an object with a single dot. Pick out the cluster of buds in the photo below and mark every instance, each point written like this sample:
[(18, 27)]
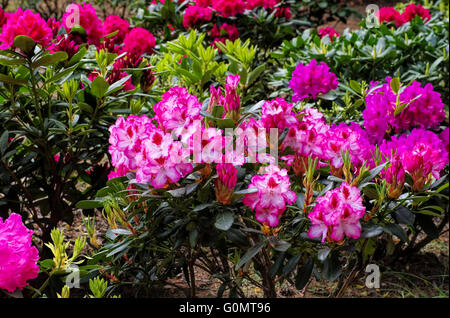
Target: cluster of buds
[(225, 183), (395, 178), (232, 98)]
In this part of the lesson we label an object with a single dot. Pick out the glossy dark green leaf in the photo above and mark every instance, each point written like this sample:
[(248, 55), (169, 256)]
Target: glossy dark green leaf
[(89, 204), (371, 230), (332, 267), (50, 59), (25, 43), (224, 221), (304, 273), (291, 264), (397, 230), (250, 254), (403, 216)]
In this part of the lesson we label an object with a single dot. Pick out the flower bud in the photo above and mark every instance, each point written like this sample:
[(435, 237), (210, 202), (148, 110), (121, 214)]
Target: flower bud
[(395, 178), (226, 182)]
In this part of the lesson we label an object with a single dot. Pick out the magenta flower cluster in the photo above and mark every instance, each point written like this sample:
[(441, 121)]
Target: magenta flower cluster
[(204, 11), (390, 14), (328, 31), (196, 15), (18, 257), (25, 23), (421, 153), (312, 80), (424, 109)]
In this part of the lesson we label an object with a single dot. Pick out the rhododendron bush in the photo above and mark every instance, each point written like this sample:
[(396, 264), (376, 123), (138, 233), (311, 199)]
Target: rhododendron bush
[(201, 144)]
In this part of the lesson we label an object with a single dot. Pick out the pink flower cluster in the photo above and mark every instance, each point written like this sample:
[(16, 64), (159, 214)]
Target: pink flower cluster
[(177, 110), (18, 257), (88, 20), (195, 15), (390, 14), (224, 32), (348, 138), (251, 4), (134, 41), (137, 145), (337, 213), (271, 196), (227, 8), (115, 23), (424, 109), (328, 31), (139, 41), (312, 137), (25, 23), (278, 113), (421, 153), (309, 136), (2, 17), (312, 80)]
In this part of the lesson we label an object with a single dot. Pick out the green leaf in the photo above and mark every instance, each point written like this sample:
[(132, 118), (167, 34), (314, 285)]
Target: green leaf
[(50, 59), (99, 87), (276, 265), (323, 253), (371, 230), (78, 29), (46, 264), (4, 142), (89, 204), (280, 245), (291, 264), (225, 123), (395, 85), (25, 43), (112, 234), (193, 237), (119, 249), (355, 86), (63, 73), (250, 254), (304, 273), (395, 229), (237, 237), (10, 80), (332, 267), (117, 85), (85, 107), (224, 221), (78, 56), (403, 215), (10, 61), (255, 73), (427, 225), (372, 174), (246, 191), (217, 111), (203, 206)]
